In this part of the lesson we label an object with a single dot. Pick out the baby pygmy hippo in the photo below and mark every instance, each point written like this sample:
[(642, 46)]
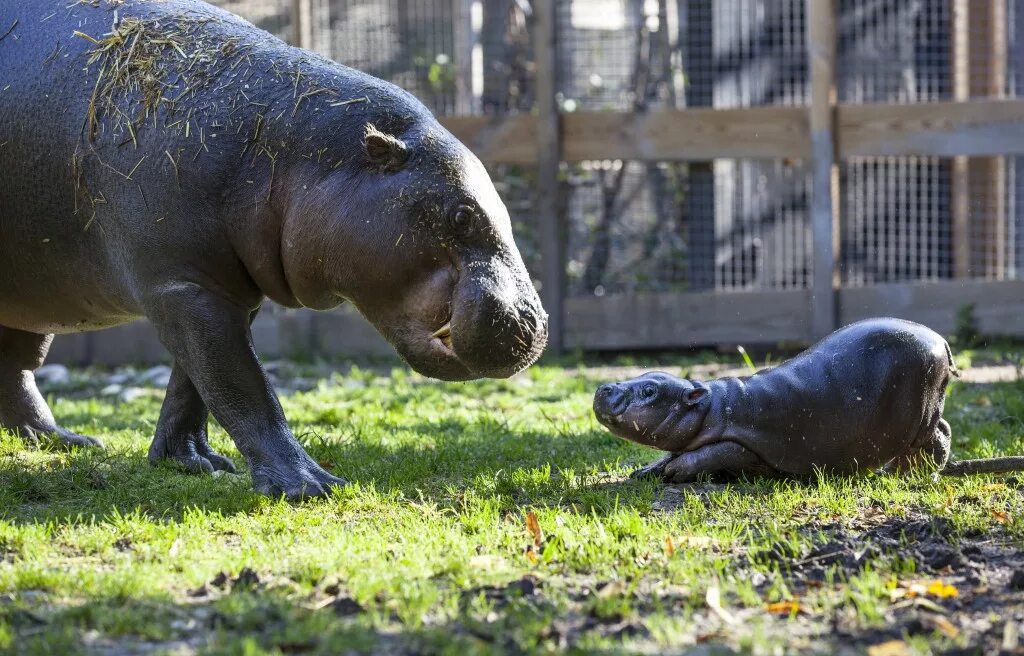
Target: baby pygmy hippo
[(868, 396)]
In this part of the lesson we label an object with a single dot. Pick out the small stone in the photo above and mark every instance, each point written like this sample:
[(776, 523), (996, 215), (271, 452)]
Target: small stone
[(158, 376), (111, 390), (346, 606), (1017, 580), (247, 578), (119, 378), (53, 374), (129, 394)]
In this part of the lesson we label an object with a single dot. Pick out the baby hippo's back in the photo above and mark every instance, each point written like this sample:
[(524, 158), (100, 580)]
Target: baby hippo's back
[(859, 398)]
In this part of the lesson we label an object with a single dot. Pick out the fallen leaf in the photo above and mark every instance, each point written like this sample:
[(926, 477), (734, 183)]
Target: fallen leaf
[(942, 590), (531, 554), (1001, 516), (670, 548), (783, 607), (944, 626), (612, 589), (984, 401), (891, 648), (713, 597), (533, 527), (1011, 636)]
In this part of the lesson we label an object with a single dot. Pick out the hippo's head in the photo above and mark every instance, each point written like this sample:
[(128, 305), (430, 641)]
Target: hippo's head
[(411, 230), (656, 409)]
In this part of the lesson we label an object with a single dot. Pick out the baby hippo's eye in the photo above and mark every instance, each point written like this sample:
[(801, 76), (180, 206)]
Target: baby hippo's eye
[(648, 391), (463, 218)]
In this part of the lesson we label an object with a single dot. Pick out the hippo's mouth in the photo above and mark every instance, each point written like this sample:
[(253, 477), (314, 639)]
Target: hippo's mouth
[(442, 338)]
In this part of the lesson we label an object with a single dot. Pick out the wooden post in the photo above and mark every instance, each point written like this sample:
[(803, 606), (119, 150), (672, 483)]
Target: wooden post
[(821, 46), (979, 183), (960, 66), (549, 156), (462, 25), (986, 176), (302, 23)]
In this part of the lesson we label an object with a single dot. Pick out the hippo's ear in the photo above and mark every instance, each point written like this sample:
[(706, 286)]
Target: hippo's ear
[(384, 151), (694, 396)]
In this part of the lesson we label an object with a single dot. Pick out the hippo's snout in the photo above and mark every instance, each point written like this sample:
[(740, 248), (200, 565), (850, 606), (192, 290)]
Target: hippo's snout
[(610, 401), (497, 339)]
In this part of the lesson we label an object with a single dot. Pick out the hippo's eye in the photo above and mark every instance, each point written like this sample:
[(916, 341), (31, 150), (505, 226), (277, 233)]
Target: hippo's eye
[(649, 391), (462, 219)]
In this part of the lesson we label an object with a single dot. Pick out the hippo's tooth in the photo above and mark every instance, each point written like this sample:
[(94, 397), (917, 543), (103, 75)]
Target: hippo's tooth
[(444, 331), (447, 341)]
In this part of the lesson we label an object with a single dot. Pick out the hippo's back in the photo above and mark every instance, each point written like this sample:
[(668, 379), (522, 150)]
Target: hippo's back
[(856, 400)]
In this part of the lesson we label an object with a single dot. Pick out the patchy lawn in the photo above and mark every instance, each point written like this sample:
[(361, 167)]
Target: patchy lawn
[(495, 517)]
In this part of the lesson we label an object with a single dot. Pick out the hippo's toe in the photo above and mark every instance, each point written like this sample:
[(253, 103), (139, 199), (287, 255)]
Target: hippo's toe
[(69, 440), (189, 452), (307, 481)]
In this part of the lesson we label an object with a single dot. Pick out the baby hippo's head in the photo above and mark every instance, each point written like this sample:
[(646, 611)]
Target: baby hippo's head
[(656, 409)]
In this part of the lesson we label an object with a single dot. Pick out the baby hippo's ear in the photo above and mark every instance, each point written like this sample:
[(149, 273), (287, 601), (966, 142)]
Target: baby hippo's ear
[(384, 151), (697, 394)]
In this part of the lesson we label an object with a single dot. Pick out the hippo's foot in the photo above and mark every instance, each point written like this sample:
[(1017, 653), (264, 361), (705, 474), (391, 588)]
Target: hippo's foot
[(294, 475), (57, 436), (654, 470), (189, 452)]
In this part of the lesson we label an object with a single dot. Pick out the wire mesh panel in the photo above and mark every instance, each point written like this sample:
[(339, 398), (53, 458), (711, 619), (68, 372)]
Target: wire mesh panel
[(907, 219), (634, 229)]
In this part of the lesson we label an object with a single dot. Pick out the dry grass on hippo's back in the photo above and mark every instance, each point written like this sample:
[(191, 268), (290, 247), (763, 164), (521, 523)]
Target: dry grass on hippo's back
[(431, 550)]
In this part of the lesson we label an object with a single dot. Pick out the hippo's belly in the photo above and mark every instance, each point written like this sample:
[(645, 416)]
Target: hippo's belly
[(56, 277)]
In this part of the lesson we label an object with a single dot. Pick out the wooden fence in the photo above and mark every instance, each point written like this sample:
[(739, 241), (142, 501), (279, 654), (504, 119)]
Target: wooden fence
[(823, 133)]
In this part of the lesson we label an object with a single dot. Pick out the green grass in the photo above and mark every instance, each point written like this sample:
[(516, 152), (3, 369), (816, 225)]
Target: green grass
[(428, 549)]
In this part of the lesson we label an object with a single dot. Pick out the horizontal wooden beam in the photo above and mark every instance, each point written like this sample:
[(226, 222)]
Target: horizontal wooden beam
[(999, 304), (678, 135), (943, 129), (686, 319), (510, 139), (689, 134)]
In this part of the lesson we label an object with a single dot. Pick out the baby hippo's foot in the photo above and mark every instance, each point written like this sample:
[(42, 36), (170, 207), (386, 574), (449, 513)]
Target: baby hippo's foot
[(293, 474), (189, 451), (655, 470)]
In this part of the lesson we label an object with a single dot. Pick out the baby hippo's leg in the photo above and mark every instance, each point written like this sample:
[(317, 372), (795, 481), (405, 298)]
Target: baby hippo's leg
[(932, 451), (655, 469), (719, 458)]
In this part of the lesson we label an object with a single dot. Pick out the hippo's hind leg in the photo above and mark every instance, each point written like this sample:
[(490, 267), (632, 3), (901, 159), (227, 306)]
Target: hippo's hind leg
[(22, 408), (932, 450), (719, 458), (181, 435)]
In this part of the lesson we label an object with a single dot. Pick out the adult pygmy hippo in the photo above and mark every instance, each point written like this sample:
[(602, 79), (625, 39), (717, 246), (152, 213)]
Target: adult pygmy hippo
[(169, 160), (867, 396)]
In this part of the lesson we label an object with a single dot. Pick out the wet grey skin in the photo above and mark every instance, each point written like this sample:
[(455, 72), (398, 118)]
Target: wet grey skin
[(168, 160), (869, 396)]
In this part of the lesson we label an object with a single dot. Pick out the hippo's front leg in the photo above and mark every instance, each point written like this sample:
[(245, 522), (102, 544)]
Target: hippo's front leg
[(210, 340), (718, 458)]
